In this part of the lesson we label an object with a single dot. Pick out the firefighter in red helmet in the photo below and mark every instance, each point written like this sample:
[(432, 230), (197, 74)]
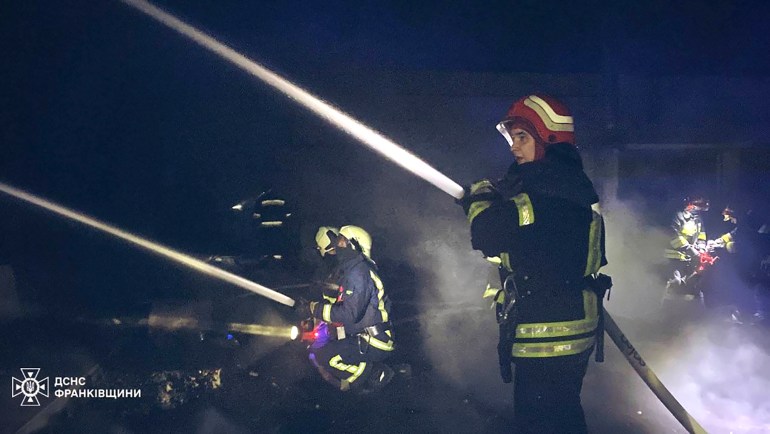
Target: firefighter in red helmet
[(688, 248), (543, 221)]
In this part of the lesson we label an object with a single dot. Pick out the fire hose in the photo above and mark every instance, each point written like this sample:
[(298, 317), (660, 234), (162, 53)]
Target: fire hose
[(365, 135), (649, 377)]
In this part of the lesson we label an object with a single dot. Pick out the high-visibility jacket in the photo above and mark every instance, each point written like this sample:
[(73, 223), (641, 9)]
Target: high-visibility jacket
[(543, 221), (361, 303), (688, 231)]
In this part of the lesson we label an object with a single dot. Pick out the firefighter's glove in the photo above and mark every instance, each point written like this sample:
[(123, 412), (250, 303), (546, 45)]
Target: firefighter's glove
[(302, 308), (483, 190)]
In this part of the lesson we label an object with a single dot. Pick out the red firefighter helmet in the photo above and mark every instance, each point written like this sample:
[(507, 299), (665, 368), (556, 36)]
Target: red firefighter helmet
[(546, 118), (729, 214), (696, 204)]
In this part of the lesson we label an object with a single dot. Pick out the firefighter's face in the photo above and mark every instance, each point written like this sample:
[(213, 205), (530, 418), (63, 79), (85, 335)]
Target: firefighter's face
[(341, 242), (523, 146)]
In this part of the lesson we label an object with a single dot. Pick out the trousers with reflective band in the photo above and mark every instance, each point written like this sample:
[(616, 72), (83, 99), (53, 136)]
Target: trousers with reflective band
[(537, 339)]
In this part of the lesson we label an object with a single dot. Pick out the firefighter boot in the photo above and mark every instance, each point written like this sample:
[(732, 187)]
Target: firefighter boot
[(381, 375)]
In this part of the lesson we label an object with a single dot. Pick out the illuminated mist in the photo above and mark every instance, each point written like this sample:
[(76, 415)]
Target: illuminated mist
[(720, 372)]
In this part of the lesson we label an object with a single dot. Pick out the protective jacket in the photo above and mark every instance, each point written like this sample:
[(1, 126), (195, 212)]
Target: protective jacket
[(688, 231), (543, 221), (361, 302)]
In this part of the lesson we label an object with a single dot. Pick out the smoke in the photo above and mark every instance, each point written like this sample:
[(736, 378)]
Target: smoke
[(717, 370), (458, 329), (635, 250), (721, 374)]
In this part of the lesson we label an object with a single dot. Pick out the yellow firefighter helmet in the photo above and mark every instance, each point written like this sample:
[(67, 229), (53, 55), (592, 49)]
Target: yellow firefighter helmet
[(326, 239), (359, 238)]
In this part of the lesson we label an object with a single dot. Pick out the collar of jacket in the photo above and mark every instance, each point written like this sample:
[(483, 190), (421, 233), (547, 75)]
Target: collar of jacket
[(559, 174), (350, 262)]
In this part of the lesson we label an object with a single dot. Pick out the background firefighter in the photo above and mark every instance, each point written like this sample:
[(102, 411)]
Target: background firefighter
[(354, 314), (686, 251), (749, 243), (542, 219)]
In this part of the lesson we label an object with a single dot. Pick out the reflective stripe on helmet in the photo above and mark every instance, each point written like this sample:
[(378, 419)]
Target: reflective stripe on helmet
[(552, 120)]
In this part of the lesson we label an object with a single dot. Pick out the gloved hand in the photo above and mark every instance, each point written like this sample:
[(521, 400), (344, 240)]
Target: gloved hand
[(719, 243), (302, 308), (480, 190)]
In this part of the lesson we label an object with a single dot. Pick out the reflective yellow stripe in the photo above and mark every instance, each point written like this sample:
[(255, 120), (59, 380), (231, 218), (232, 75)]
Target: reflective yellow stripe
[(336, 363), (272, 224), (728, 237), (679, 241), (490, 291), (564, 328), (483, 186), (673, 254), (689, 228), (493, 259), (552, 349), (524, 206), (556, 329), (505, 260), (702, 236), (380, 345), (273, 202), (380, 295), (326, 315), (477, 208), (594, 261), (552, 120)]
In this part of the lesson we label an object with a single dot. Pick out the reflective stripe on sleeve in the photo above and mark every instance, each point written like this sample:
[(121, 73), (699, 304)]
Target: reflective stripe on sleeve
[(679, 242), (594, 261), (380, 295), (679, 256), (477, 208)]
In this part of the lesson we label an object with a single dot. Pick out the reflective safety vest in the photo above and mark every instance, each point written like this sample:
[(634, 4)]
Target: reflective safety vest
[(564, 338)]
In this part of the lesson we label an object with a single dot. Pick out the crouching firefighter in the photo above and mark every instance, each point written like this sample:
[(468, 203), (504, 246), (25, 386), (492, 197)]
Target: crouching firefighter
[(542, 221), (353, 332)]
